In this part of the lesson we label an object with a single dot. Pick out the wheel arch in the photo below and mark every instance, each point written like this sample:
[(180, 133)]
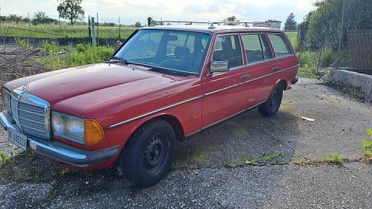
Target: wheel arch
[(173, 120), (282, 82)]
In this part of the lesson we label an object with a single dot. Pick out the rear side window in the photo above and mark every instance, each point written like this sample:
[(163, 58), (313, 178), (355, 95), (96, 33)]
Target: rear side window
[(280, 45), (252, 47), (266, 47), (227, 48)]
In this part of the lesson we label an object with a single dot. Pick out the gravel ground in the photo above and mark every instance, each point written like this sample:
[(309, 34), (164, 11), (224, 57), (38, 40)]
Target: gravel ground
[(209, 171)]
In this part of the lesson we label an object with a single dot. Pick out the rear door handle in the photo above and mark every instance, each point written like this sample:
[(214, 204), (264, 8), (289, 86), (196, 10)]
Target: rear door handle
[(275, 69), (246, 76)]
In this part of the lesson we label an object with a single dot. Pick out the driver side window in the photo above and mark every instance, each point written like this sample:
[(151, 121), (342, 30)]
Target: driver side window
[(227, 48)]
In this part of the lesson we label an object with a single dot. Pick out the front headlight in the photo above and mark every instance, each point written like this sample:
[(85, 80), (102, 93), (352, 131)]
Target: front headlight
[(68, 127), (87, 132), (6, 99)]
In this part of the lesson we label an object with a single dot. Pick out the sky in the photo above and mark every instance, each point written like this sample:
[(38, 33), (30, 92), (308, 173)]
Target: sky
[(131, 11)]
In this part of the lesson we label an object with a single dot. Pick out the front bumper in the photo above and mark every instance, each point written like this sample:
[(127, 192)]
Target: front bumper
[(61, 152)]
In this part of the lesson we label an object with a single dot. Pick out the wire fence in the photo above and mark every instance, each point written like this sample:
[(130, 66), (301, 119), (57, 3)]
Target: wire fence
[(360, 49), (337, 34), (61, 32)]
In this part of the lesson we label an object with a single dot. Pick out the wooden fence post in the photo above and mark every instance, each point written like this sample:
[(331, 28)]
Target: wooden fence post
[(89, 30), (97, 29), (94, 40)]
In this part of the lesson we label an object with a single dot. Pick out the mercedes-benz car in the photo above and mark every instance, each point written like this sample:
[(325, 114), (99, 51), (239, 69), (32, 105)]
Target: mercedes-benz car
[(163, 84)]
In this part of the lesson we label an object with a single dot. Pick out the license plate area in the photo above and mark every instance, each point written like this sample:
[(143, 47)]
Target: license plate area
[(18, 139)]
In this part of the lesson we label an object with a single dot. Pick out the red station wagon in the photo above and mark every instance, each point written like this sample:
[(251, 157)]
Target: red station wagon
[(164, 84)]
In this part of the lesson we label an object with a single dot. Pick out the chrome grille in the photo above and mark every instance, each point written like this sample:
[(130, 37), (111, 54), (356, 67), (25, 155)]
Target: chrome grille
[(31, 114)]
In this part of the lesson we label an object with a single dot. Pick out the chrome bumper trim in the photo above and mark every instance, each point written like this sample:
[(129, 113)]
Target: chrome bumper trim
[(5, 120), (72, 156), (61, 152)]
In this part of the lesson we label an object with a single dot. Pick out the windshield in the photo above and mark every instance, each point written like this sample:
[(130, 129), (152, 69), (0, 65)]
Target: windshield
[(180, 51)]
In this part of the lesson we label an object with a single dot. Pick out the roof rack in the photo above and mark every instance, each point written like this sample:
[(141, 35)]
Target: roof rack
[(269, 24)]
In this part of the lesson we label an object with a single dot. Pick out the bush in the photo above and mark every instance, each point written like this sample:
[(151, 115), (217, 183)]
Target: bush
[(49, 47), (307, 59), (87, 54), (327, 57)]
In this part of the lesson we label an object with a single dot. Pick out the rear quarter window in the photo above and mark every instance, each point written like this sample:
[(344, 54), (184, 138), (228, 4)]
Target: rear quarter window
[(280, 45)]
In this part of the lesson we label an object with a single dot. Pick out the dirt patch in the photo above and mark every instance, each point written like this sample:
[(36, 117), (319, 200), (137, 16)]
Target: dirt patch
[(351, 91), (16, 62)]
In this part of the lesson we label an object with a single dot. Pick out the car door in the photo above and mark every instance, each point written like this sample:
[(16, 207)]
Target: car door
[(260, 65), (285, 58), (223, 94)]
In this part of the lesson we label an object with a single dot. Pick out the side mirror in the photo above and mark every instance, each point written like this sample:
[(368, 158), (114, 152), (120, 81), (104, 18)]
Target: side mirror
[(219, 66)]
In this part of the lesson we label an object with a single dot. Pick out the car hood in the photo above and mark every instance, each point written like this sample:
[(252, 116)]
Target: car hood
[(75, 90)]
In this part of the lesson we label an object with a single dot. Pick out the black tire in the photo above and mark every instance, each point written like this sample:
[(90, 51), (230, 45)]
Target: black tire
[(149, 153), (271, 106)]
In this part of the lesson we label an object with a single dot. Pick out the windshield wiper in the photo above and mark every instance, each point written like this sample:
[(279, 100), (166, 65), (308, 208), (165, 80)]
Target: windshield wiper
[(119, 59), (168, 71)]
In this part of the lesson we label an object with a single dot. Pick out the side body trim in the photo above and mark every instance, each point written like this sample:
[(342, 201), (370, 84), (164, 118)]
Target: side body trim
[(195, 98), (228, 117)]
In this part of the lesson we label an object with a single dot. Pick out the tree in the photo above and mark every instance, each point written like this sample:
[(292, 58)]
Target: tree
[(71, 10), (41, 18), (137, 25), (323, 26), (231, 19), (150, 21), (14, 18), (290, 24)]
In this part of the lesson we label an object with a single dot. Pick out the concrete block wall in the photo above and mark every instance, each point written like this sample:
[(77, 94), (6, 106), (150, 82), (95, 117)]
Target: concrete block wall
[(357, 80)]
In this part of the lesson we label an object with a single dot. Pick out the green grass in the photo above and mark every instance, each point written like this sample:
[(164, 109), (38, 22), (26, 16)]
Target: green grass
[(23, 43), (264, 158), (270, 157), (292, 36), (199, 159), (64, 57), (367, 146), (335, 158), (60, 31), (4, 157)]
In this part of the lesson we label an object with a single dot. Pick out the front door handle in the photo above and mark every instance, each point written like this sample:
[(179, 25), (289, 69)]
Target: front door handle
[(275, 69), (246, 76)]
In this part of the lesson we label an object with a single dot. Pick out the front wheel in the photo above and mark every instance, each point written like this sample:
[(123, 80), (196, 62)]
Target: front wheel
[(149, 153), (271, 106)]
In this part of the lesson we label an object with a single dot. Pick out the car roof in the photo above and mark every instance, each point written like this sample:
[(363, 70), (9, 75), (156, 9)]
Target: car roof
[(212, 29)]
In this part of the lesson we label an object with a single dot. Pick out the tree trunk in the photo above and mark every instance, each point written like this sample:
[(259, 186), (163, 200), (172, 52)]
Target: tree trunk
[(72, 21)]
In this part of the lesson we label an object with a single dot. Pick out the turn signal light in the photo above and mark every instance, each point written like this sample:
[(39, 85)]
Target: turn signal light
[(93, 133)]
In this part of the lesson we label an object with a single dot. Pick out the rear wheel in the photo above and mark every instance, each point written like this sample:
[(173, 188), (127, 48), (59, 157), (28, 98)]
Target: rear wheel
[(271, 106), (149, 154)]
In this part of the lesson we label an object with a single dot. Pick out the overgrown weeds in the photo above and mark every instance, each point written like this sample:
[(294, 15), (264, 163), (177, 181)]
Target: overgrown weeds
[(367, 146), (4, 157), (82, 54), (264, 158), (23, 43), (50, 48), (334, 158)]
